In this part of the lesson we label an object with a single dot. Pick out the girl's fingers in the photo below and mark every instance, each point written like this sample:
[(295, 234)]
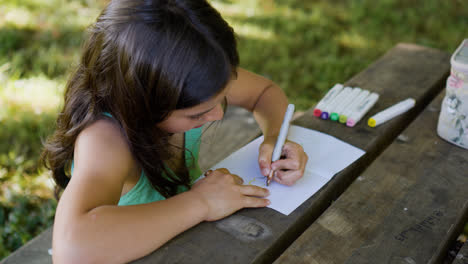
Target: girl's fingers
[(287, 177), (286, 164), (252, 190), (255, 202), (222, 170), (295, 158), (264, 157), (237, 179)]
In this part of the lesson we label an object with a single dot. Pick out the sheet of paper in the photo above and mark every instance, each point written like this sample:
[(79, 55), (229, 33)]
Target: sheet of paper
[(327, 156)]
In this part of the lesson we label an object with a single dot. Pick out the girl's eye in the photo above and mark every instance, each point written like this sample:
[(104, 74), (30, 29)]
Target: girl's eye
[(196, 117)]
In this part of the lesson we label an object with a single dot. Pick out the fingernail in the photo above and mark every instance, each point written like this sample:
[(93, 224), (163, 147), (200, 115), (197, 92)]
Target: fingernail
[(265, 171)]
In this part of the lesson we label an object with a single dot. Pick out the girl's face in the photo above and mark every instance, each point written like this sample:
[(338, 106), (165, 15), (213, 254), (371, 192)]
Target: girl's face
[(185, 119)]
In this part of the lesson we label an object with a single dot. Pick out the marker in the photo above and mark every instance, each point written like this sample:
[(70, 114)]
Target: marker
[(281, 138), (327, 110), (391, 112), (362, 109), (335, 115), (327, 98), (361, 96)]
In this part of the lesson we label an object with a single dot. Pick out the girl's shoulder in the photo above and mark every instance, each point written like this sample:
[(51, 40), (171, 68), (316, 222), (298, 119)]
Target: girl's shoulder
[(101, 148), (102, 132)]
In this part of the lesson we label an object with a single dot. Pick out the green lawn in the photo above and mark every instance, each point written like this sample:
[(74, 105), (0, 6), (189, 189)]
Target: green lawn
[(304, 46)]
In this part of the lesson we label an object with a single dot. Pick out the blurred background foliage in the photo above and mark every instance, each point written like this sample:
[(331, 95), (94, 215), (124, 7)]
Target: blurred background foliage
[(304, 46)]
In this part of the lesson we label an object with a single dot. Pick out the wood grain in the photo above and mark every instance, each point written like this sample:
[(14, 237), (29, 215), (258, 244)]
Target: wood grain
[(407, 207)]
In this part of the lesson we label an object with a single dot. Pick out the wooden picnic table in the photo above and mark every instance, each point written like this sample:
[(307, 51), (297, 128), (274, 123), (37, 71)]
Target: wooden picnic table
[(408, 206), (404, 200)]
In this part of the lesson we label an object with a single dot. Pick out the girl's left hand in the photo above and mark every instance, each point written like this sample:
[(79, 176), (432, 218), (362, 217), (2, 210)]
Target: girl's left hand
[(289, 168)]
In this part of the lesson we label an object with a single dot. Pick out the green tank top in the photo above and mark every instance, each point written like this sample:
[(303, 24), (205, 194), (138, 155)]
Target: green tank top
[(143, 192)]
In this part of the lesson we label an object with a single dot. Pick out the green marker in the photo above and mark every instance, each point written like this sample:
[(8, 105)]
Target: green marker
[(334, 116), (343, 104), (336, 104)]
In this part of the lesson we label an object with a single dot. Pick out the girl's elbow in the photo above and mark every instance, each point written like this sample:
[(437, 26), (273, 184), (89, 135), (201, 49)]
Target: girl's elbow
[(70, 255), (71, 249)]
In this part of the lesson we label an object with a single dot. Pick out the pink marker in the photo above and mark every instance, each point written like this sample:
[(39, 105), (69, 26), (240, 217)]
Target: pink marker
[(361, 109)]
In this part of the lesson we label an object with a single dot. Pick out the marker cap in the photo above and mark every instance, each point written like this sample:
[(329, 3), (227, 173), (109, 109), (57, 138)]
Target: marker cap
[(371, 122), (334, 117), (324, 115), (350, 122), (342, 119), (317, 112)]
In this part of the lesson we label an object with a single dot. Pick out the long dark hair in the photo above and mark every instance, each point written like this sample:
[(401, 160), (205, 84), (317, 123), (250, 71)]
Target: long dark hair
[(144, 59)]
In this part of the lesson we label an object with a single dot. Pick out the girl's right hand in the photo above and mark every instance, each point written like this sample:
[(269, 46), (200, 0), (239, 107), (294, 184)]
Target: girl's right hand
[(223, 194)]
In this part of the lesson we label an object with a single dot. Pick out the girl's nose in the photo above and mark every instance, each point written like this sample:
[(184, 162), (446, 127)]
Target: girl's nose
[(215, 114)]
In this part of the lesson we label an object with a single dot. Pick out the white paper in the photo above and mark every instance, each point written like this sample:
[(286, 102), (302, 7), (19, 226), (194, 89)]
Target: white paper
[(327, 156)]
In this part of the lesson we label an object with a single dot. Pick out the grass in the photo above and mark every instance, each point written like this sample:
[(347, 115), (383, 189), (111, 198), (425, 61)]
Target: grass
[(304, 46)]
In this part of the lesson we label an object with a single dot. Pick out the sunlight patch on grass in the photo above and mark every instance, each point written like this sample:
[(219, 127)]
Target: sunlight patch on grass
[(39, 185), (19, 17), (75, 15), (252, 31), (247, 8), (52, 15), (39, 93), (352, 40)]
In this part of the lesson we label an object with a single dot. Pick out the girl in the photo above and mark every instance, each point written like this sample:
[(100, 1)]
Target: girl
[(126, 144)]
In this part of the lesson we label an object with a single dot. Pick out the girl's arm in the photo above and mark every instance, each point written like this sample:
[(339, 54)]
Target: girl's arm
[(268, 103), (262, 97), (89, 226)]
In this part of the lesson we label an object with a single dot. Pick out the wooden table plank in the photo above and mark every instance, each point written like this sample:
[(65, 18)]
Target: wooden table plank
[(462, 256), (407, 207), (260, 235), (33, 252)]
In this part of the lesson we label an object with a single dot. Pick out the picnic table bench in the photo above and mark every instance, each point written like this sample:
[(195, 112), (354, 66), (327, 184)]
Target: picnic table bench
[(403, 201)]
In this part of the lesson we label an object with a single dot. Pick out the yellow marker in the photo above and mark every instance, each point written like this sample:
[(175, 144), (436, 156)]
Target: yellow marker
[(391, 112), (371, 122)]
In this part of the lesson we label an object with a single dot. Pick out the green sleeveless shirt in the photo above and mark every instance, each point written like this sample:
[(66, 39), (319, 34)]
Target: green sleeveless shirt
[(143, 192)]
